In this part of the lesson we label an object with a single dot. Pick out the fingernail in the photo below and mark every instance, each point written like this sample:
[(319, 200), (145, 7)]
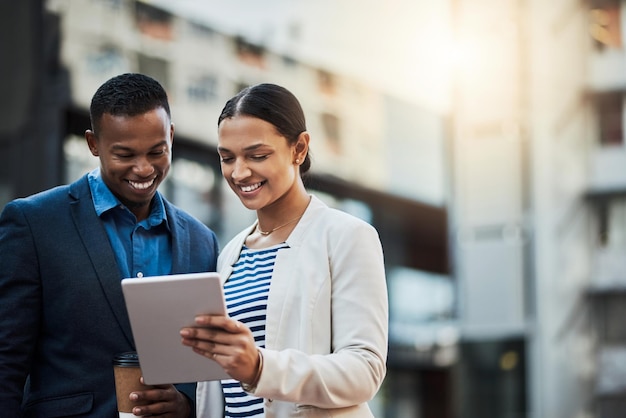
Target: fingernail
[(134, 396), (184, 332)]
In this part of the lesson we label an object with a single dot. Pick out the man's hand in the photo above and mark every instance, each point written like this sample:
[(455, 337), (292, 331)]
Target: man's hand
[(163, 401)]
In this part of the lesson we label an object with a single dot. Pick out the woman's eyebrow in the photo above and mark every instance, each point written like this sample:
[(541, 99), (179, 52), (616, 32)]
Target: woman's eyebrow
[(248, 148)]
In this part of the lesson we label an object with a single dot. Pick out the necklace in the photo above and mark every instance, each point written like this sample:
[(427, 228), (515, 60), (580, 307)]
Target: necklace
[(266, 233)]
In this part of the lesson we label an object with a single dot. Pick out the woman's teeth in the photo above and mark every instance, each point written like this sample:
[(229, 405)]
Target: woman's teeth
[(250, 187)]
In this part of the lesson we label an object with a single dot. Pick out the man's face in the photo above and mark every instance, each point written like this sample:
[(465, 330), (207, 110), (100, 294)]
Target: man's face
[(135, 155)]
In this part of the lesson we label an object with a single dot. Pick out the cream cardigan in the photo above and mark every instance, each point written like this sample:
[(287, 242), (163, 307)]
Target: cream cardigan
[(327, 320)]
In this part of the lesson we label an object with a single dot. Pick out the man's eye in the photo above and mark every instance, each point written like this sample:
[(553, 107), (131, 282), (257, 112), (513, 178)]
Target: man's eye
[(226, 160)]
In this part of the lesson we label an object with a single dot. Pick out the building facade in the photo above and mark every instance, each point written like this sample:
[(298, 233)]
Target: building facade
[(502, 222), (356, 134), (538, 190)]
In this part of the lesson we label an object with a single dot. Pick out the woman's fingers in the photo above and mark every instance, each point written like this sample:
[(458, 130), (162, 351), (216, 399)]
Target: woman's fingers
[(213, 331), (219, 321)]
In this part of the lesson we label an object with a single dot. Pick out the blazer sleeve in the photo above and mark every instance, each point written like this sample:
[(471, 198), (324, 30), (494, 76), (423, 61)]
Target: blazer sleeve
[(20, 306)]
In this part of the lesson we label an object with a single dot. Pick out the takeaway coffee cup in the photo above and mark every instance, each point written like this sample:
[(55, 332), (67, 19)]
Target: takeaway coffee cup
[(127, 374)]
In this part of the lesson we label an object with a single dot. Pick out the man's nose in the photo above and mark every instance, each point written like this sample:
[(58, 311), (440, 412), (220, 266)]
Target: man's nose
[(143, 167)]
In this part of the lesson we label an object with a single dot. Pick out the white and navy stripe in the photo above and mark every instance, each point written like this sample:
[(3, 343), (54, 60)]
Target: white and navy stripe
[(246, 293)]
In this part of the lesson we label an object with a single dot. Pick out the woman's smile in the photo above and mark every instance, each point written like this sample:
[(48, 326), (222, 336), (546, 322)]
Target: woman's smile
[(250, 187)]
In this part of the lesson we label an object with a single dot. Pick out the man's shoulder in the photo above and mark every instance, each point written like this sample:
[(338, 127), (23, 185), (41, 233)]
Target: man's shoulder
[(53, 201), (178, 214), (44, 197), (52, 194)]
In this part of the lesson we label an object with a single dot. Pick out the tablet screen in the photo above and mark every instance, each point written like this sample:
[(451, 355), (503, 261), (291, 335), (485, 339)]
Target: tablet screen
[(158, 307)]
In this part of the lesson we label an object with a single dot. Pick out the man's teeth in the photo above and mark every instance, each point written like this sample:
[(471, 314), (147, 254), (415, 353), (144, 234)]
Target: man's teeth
[(141, 186), (250, 187)]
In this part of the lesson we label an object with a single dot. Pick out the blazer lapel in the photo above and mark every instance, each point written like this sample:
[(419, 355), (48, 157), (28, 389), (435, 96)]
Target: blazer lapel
[(97, 245), (181, 247)]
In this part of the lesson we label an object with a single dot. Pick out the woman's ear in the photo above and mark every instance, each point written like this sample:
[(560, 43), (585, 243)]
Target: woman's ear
[(302, 146)]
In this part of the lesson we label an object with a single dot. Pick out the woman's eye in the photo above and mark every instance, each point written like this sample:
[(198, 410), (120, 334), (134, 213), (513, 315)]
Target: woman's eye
[(226, 160), (259, 157)]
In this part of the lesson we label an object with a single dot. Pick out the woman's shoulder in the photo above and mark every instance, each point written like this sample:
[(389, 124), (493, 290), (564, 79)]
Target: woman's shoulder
[(324, 215)]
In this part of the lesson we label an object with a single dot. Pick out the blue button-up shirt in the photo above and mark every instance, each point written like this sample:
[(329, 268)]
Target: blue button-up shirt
[(141, 248)]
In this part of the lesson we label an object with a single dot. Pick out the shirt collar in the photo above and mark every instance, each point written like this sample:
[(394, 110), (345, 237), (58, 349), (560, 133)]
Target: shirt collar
[(104, 200)]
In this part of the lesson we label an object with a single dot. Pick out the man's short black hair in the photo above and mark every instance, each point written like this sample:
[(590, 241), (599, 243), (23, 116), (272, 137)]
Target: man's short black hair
[(127, 94)]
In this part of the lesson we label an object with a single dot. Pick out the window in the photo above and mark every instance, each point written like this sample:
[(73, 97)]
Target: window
[(116, 5), (612, 223), (156, 68), (190, 186), (419, 296), (289, 61), (326, 82), (202, 31), (330, 124), (202, 89), (249, 53), (605, 25), (610, 113), (106, 59), (78, 159), (153, 22)]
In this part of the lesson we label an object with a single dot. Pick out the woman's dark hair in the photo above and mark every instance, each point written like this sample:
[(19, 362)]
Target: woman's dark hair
[(273, 104), (129, 94)]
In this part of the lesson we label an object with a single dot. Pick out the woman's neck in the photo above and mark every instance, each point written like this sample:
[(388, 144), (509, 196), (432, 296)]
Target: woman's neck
[(274, 224)]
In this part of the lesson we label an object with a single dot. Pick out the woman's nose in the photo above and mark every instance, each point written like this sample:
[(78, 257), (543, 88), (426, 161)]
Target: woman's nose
[(240, 170)]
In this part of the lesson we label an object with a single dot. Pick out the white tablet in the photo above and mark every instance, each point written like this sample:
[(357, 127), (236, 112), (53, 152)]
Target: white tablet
[(158, 307)]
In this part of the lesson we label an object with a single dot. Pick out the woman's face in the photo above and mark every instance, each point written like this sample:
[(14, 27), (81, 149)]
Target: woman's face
[(257, 162)]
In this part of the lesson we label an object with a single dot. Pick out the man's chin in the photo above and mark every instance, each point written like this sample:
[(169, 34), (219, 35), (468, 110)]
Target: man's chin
[(137, 204)]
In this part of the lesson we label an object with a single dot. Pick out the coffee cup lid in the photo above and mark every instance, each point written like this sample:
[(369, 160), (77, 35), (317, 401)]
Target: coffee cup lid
[(128, 359)]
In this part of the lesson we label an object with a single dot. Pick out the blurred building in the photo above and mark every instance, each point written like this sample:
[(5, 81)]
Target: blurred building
[(503, 222), (367, 147), (538, 194), (606, 200)]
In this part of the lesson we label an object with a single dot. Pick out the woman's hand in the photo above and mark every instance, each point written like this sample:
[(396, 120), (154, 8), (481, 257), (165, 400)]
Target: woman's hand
[(226, 341)]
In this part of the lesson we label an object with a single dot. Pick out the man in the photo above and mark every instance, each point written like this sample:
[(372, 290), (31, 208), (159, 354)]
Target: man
[(64, 252)]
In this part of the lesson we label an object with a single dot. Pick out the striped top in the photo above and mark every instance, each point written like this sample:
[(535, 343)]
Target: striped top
[(246, 293)]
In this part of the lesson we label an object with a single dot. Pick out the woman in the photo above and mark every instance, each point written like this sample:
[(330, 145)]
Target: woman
[(305, 284)]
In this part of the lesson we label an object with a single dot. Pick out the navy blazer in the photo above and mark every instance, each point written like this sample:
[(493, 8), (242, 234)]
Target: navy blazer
[(62, 311)]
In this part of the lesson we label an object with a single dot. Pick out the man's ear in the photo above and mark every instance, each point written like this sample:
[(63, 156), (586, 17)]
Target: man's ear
[(92, 142)]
